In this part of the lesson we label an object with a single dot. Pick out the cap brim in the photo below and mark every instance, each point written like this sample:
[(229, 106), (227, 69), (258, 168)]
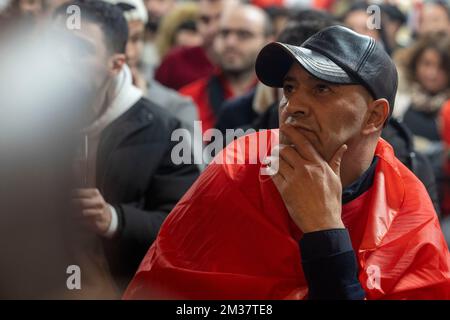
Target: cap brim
[(275, 60)]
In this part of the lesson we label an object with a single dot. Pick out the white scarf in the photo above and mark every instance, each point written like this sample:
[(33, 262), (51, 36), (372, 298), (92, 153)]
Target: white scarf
[(120, 95)]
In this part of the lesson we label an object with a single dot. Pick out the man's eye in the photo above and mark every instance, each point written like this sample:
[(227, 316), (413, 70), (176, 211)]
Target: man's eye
[(322, 88), (287, 88)]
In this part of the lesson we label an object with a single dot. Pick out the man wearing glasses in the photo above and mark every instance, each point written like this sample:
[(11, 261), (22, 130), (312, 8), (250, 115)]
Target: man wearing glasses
[(243, 31)]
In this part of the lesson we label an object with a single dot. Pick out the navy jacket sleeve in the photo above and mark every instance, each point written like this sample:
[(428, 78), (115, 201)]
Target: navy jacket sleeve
[(330, 265)]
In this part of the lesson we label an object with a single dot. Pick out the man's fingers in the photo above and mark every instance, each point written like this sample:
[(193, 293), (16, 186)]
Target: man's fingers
[(335, 162), (279, 181), (91, 213), (285, 169), (85, 193), (290, 155), (86, 203), (304, 148)]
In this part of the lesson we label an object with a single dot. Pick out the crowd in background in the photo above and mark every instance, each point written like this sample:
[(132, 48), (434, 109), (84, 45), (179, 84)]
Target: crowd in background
[(195, 59)]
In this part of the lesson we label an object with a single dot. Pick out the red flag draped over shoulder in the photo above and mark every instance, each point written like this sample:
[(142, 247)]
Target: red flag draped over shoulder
[(230, 236)]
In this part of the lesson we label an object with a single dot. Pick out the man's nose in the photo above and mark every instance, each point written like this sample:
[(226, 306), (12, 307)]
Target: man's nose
[(297, 109), (232, 39)]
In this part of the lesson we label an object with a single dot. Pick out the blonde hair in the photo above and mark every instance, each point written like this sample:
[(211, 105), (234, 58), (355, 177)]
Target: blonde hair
[(182, 12)]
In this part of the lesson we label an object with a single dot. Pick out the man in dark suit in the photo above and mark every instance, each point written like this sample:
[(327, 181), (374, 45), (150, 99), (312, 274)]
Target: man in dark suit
[(130, 181)]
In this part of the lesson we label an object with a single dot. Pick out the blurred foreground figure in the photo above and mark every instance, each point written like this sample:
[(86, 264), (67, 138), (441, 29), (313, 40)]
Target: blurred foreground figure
[(130, 182), (43, 108)]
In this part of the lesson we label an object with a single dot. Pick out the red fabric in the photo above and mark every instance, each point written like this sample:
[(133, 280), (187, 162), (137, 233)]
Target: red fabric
[(323, 4), (231, 237), (183, 66), (318, 4), (445, 123), (445, 135), (268, 3), (198, 91)]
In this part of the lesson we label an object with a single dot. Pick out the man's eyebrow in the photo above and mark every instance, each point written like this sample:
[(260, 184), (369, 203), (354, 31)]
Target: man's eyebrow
[(289, 78)]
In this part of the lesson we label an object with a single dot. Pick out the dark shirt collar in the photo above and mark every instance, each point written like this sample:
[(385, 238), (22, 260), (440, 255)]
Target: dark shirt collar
[(361, 185)]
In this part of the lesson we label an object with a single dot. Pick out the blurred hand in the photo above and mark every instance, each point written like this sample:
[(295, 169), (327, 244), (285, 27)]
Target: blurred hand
[(95, 212), (310, 187)]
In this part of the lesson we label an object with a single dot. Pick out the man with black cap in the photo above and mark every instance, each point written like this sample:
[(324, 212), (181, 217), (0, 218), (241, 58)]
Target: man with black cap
[(339, 218)]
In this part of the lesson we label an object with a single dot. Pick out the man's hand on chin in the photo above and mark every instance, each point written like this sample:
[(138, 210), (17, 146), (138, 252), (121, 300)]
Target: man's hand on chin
[(309, 185)]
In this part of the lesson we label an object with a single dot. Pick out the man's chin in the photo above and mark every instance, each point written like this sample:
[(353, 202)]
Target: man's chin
[(231, 68), (235, 70)]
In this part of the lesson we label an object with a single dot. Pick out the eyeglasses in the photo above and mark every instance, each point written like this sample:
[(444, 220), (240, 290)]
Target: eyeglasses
[(241, 34), (208, 19)]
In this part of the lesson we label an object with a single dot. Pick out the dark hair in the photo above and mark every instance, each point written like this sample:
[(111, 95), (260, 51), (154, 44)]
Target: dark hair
[(109, 17), (393, 13), (275, 12), (357, 6), (189, 25), (304, 24), (440, 42), (269, 29)]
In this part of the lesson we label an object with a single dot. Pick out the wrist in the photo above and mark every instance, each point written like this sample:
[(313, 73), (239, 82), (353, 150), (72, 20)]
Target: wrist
[(314, 226), (113, 223)]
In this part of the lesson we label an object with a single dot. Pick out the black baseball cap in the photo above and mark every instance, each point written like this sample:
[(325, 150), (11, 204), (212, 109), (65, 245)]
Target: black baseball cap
[(335, 54)]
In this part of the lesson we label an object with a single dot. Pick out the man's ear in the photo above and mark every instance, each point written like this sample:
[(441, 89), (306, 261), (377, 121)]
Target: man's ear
[(377, 114), (116, 63)]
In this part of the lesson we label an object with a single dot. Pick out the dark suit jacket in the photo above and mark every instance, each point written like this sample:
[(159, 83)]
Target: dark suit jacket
[(135, 174)]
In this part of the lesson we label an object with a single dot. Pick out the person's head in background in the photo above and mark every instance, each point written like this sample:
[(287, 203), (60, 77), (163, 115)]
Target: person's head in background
[(243, 30), (100, 42), (357, 18), (208, 20), (304, 23), (135, 13), (156, 10), (179, 28), (51, 5), (392, 20), (279, 16), (427, 62), (31, 7), (29, 12), (434, 17), (186, 35)]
